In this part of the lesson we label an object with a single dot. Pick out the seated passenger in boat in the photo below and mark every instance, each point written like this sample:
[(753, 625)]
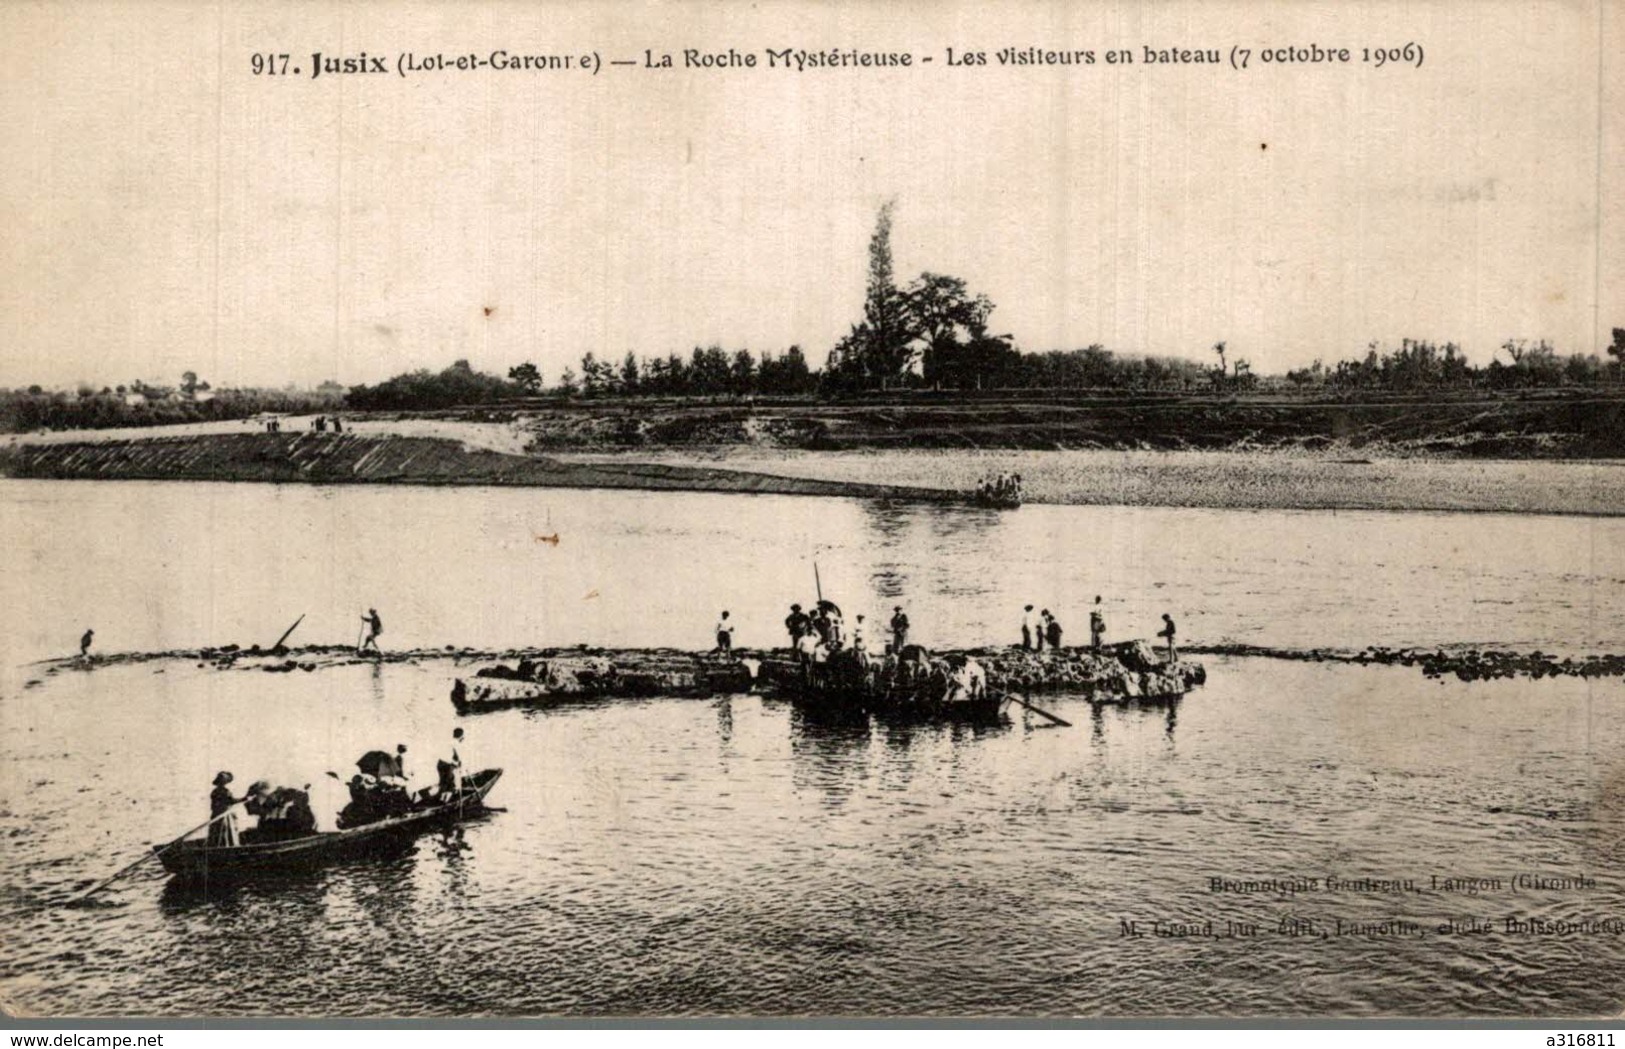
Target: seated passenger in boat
[(283, 811), (379, 790), (962, 679)]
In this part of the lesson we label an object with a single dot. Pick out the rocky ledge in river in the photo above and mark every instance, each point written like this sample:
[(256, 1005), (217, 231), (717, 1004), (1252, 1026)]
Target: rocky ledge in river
[(1122, 672)]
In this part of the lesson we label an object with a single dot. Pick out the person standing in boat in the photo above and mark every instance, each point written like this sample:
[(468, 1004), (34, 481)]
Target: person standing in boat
[(451, 772), (1167, 631), (222, 810), (860, 642), (375, 626), (1097, 626), (807, 649), (797, 623), (899, 629)]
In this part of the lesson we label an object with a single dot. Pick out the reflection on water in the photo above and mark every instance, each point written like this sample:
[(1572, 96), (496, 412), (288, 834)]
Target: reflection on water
[(697, 856), (743, 856)]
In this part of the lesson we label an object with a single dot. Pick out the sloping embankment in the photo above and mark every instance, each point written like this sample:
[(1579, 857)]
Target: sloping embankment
[(324, 458)]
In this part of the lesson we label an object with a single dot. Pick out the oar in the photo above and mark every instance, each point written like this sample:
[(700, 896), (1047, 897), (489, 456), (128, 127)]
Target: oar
[(1014, 698), (155, 853), (285, 633)]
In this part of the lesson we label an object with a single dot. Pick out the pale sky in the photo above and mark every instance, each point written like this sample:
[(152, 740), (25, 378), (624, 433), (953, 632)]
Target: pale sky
[(166, 210)]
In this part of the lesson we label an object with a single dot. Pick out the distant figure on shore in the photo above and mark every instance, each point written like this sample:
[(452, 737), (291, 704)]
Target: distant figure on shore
[(223, 831), (860, 641), (1042, 631), (1167, 631), (338, 425), (1097, 626), (375, 626), (725, 636), (797, 624), (1052, 631), (84, 644), (1027, 627), (899, 629)]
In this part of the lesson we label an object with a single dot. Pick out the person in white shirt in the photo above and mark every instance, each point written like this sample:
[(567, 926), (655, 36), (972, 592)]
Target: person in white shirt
[(725, 636), (451, 772), (1027, 627)]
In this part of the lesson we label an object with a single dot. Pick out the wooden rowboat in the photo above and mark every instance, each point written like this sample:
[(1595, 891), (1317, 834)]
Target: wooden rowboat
[(197, 860)]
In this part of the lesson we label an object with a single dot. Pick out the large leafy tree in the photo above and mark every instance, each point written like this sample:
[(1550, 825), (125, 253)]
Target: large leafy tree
[(527, 376)]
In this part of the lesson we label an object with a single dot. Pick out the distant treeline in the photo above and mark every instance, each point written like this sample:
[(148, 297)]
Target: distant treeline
[(975, 361), (1421, 365), (141, 405)]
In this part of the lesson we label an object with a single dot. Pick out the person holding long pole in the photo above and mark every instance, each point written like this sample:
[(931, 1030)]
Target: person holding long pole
[(223, 831)]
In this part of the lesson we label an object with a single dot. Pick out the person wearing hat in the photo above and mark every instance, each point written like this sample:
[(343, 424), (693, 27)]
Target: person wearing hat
[(899, 629), (222, 809), (797, 623), (1027, 627)]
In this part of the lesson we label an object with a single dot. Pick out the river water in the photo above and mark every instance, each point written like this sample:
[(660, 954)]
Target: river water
[(728, 857)]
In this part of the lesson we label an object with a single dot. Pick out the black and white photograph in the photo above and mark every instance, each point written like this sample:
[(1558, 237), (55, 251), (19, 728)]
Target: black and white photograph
[(1073, 512)]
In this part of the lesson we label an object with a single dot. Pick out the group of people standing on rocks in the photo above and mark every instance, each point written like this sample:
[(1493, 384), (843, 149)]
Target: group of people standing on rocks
[(816, 635), (1044, 630), (1037, 632)]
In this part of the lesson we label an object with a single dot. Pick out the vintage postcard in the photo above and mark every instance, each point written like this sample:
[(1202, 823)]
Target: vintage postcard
[(801, 509)]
